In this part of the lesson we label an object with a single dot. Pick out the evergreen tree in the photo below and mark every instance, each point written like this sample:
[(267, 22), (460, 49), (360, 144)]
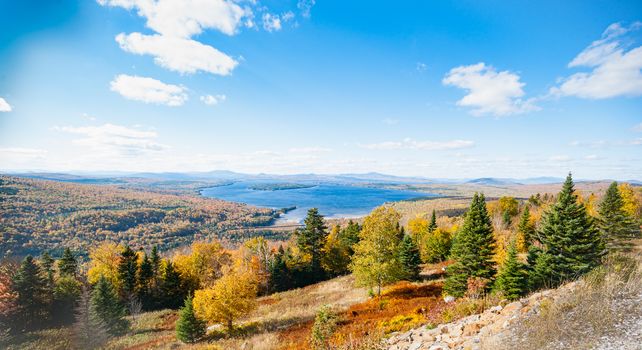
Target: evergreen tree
[(67, 265), (107, 307), (280, 279), (47, 263), (572, 245), (409, 258), (145, 276), (615, 224), (473, 249), (155, 260), (433, 222), (526, 229), (89, 330), (171, 287), (435, 246), (511, 279), (311, 240), (127, 271), (66, 293), (189, 328), (350, 235), (32, 295)]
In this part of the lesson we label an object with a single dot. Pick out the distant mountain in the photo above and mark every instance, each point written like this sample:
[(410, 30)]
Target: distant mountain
[(490, 181)]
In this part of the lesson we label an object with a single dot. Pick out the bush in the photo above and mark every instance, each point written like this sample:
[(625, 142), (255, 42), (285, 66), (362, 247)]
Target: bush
[(325, 323)]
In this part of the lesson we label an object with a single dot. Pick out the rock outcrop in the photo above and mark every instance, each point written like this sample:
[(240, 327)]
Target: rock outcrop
[(469, 333)]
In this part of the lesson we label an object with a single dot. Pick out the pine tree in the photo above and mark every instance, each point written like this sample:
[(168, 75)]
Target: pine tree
[(473, 249), (89, 330), (189, 328), (47, 263), (311, 240), (67, 265), (32, 295), (155, 260), (526, 229), (572, 245), (145, 276), (615, 225), (127, 271), (350, 235), (171, 287), (511, 279), (280, 279), (409, 258), (107, 307), (433, 222)]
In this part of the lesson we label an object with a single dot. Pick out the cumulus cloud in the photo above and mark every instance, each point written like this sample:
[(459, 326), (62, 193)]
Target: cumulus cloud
[(419, 145), (186, 18), (178, 54), (271, 23), (4, 105), (213, 100), (615, 67), (489, 91), (148, 90), (115, 139), (305, 6)]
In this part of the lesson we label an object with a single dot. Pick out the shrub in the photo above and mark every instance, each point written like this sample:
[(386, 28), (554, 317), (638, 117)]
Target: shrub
[(325, 323)]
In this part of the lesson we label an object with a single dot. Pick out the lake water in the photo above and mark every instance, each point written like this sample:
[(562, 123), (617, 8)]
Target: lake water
[(332, 200)]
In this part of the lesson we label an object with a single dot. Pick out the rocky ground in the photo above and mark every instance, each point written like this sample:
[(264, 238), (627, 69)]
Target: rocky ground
[(477, 331)]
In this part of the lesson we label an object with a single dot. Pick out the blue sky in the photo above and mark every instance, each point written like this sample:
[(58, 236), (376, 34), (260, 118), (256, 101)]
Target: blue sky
[(425, 88)]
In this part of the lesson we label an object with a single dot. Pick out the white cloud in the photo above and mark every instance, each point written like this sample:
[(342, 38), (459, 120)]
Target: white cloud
[(110, 139), (637, 141), (615, 70), (421, 67), (186, 18), (559, 158), (4, 105), (592, 157), (419, 145), (271, 23), (489, 92), (390, 121), (148, 90), (178, 54), (310, 150), (305, 6), (213, 100), (638, 128)]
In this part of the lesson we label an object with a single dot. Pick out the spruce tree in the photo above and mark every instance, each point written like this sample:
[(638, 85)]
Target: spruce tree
[(433, 222), (127, 272), (473, 249), (33, 297), (311, 240), (47, 263), (67, 265), (409, 258), (526, 228), (189, 328), (171, 287), (145, 276), (280, 279), (572, 244), (89, 330), (615, 224), (155, 260), (511, 279), (350, 235), (107, 307)]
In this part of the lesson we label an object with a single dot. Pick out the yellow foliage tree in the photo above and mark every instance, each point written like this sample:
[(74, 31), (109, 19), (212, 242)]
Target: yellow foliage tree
[(336, 255), (204, 264), (104, 260), (255, 258), (632, 201), (418, 227), (229, 298), (375, 262)]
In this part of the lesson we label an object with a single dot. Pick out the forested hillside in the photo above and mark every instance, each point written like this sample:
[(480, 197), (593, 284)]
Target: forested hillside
[(38, 215)]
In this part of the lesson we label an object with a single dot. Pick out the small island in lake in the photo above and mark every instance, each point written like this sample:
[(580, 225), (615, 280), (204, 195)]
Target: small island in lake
[(278, 186)]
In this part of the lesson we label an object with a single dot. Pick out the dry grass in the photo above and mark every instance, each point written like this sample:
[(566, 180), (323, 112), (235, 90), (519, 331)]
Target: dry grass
[(603, 308)]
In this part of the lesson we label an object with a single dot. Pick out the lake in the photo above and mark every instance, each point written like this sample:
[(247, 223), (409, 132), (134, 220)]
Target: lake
[(332, 200)]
